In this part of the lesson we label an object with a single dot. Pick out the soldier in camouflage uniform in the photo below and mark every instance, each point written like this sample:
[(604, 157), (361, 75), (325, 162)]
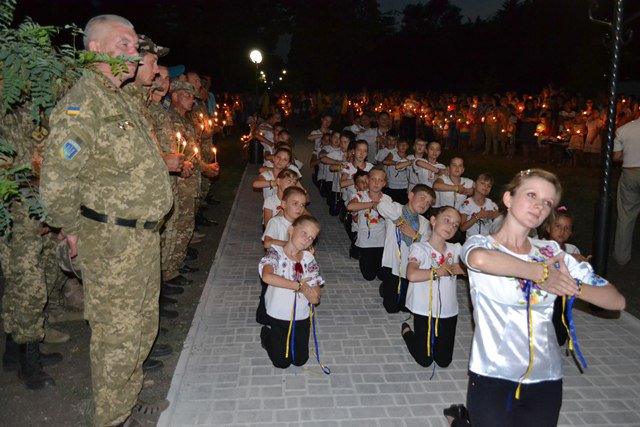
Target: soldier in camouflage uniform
[(187, 189), (21, 255), (201, 118), (163, 124), (106, 185)]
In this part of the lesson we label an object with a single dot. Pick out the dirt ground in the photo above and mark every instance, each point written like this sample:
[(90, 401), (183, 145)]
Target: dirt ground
[(68, 404)]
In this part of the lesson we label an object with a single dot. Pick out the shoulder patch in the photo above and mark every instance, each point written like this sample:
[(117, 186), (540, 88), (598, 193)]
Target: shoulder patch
[(69, 149), (73, 110)]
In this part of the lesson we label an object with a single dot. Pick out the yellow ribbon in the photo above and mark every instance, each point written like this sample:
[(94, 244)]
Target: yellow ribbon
[(530, 367), (292, 319)]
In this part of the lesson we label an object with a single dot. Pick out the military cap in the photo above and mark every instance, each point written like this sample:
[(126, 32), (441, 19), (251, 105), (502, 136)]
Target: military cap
[(65, 262), (179, 85), (146, 45)]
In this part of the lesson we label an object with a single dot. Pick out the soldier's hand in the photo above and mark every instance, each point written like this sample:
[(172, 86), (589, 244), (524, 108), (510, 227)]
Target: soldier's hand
[(72, 241), (187, 170), (174, 161), (211, 170)]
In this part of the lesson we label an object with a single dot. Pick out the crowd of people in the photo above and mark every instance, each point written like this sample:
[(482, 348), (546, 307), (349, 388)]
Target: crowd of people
[(124, 172), (417, 226)]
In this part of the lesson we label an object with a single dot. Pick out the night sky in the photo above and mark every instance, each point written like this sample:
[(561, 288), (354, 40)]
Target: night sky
[(470, 8), (424, 45)]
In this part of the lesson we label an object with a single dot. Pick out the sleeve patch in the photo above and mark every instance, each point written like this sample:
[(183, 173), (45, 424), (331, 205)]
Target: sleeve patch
[(69, 149), (73, 110)]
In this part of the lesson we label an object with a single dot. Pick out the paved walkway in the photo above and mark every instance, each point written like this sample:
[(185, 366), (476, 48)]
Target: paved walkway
[(224, 377)]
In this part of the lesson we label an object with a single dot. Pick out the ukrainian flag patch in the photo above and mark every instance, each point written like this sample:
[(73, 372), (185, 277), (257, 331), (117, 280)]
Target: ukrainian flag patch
[(73, 110), (69, 149)]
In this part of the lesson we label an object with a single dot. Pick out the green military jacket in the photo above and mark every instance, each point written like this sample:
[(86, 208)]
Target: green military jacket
[(101, 154)]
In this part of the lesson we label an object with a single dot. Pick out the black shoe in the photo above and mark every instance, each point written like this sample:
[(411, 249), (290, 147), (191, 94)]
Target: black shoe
[(30, 371), (11, 356), (459, 414), (381, 290), (160, 350), (405, 328), (152, 365), (165, 300), (178, 281), (264, 333), (188, 269), (190, 257), (206, 222), (167, 314), (170, 290)]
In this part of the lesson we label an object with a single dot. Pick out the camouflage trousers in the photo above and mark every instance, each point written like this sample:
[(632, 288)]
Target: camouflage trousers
[(168, 238), (204, 188), (185, 197), (121, 275), (25, 290)]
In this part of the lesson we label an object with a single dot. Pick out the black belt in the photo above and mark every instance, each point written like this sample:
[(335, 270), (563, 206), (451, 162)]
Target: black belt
[(133, 223)]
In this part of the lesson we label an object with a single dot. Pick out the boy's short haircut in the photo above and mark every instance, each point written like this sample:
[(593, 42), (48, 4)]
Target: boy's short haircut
[(456, 157), (420, 141), (422, 188), (291, 191), (393, 134), (403, 141), (433, 142), (359, 175), (348, 134), (306, 218), (485, 177), (287, 173)]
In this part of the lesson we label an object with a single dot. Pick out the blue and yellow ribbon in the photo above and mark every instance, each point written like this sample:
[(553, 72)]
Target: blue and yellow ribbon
[(567, 321), (316, 350), (291, 333), (527, 291)]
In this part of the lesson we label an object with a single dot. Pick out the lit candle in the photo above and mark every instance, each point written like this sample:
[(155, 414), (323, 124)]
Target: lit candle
[(195, 153), (215, 154), (210, 123), (184, 147), (179, 140)]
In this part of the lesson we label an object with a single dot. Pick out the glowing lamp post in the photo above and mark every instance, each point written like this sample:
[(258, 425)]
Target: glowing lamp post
[(256, 57)]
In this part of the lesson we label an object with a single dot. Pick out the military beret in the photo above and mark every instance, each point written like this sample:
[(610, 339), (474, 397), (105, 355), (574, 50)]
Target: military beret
[(179, 85), (176, 71), (146, 45)]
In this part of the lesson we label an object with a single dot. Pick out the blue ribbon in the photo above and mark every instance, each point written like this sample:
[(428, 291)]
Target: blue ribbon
[(572, 330), (325, 369)]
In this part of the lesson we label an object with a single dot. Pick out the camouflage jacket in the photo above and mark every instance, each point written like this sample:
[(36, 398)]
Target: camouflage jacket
[(101, 154), (18, 129)]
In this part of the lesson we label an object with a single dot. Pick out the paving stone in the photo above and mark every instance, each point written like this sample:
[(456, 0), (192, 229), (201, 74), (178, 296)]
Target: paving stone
[(224, 377)]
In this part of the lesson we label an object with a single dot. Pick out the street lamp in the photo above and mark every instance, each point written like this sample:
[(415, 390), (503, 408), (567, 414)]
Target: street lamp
[(256, 57)]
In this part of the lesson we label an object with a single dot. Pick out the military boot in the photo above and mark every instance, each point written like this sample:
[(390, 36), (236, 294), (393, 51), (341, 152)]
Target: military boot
[(30, 372), (11, 356)]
